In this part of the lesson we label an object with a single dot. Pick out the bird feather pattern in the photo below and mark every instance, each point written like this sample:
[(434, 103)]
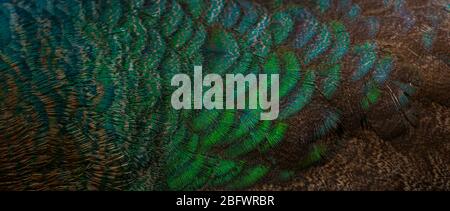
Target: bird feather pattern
[(85, 98)]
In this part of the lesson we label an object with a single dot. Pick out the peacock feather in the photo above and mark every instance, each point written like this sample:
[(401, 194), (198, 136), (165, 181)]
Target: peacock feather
[(85, 97)]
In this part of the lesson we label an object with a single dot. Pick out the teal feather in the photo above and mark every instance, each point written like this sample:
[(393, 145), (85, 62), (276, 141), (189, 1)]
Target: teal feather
[(341, 44), (250, 177), (254, 34), (231, 15), (308, 28), (291, 74), (367, 60), (281, 26), (172, 21), (249, 143), (303, 97), (5, 32), (250, 17), (214, 10), (383, 69), (354, 12), (332, 82), (323, 5), (319, 46), (195, 7)]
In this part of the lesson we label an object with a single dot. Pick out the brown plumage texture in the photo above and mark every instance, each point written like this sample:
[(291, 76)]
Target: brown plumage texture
[(390, 154), (364, 161)]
